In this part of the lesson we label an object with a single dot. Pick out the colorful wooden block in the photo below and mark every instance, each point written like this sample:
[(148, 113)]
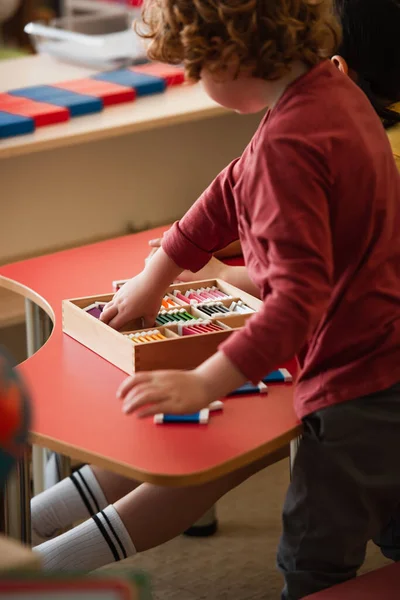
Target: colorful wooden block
[(109, 93), (172, 75), (41, 112), (11, 125), (77, 104), (142, 83)]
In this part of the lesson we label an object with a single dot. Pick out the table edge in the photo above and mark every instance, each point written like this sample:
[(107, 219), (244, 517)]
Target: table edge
[(277, 447), (28, 294)]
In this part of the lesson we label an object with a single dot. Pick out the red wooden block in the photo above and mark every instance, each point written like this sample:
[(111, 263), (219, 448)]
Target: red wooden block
[(172, 75), (109, 93), (41, 112)]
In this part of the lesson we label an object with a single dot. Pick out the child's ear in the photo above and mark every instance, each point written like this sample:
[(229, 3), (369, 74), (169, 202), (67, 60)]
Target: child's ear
[(340, 64)]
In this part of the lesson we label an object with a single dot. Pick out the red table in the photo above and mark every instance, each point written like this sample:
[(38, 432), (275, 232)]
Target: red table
[(75, 409)]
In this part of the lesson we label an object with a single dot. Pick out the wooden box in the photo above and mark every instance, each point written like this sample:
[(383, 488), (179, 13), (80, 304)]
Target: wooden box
[(176, 351)]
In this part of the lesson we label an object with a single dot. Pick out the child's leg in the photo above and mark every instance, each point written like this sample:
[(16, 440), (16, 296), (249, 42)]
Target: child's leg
[(147, 517), (77, 497), (345, 485)]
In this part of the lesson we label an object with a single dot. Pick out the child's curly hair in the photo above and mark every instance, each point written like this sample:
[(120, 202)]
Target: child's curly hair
[(260, 37)]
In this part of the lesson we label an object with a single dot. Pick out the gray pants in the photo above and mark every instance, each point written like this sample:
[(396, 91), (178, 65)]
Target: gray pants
[(344, 489)]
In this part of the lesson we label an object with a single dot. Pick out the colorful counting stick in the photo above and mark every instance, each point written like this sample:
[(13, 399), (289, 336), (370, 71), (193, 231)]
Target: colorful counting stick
[(200, 417), (180, 296), (213, 310), (240, 307), (95, 309), (168, 303), (199, 327), (214, 290), (250, 388), (211, 294), (278, 376), (191, 295), (174, 316), (201, 295), (143, 337)]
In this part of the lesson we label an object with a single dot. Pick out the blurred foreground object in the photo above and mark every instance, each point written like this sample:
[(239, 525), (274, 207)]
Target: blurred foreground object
[(15, 416)]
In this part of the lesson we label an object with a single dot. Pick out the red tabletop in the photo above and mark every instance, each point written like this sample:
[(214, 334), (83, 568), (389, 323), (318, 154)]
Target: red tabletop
[(73, 389)]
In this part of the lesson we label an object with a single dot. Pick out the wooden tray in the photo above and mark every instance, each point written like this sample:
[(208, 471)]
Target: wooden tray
[(175, 352)]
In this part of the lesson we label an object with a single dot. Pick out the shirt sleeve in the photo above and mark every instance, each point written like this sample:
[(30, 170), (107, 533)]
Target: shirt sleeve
[(289, 220), (209, 225)]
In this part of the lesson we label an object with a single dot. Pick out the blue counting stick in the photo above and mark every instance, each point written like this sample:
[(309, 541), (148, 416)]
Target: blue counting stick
[(250, 388), (11, 125), (279, 376), (200, 417), (142, 83), (77, 104)]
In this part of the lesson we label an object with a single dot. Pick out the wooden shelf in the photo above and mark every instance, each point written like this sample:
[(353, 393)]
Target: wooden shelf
[(179, 104)]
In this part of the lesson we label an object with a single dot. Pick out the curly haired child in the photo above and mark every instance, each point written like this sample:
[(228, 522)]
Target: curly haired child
[(315, 201)]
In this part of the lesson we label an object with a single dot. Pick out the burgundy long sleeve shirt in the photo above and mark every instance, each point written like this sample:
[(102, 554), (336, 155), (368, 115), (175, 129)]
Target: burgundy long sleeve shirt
[(315, 201)]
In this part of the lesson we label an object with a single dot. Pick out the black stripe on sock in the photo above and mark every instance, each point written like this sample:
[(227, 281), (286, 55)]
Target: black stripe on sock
[(82, 494), (93, 497), (106, 537), (120, 544)]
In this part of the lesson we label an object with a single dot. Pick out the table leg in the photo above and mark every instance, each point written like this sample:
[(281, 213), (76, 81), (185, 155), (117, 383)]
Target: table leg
[(64, 465), (294, 445), (35, 338), (17, 501)]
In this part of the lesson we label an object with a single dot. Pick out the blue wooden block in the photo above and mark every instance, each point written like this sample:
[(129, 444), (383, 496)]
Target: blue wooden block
[(11, 125), (142, 83), (77, 104)]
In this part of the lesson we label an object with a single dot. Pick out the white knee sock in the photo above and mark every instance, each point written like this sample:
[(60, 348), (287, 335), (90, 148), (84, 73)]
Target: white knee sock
[(93, 544), (72, 499)]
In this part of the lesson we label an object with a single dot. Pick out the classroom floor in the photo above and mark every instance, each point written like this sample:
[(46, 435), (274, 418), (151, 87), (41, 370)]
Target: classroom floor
[(239, 562)]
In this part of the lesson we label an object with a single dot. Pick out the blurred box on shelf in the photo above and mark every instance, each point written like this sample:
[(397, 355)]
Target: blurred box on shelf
[(102, 40)]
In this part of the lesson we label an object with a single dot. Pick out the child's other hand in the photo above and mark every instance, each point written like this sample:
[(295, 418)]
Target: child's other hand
[(170, 392), (136, 299)]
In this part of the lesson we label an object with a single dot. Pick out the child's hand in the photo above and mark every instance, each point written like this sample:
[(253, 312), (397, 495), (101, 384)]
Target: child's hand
[(173, 392), (136, 299)]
